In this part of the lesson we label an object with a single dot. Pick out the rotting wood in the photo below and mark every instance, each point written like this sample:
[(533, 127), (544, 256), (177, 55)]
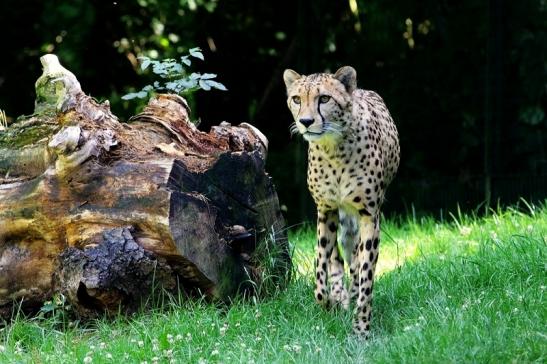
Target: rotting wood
[(89, 204)]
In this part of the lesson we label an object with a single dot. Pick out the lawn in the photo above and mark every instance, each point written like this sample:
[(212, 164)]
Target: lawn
[(464, 290)]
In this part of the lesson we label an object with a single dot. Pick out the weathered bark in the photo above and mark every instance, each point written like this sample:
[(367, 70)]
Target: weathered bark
[(102, 211)]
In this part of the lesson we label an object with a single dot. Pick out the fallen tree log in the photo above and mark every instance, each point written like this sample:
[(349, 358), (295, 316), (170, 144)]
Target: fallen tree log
[(104, 211)]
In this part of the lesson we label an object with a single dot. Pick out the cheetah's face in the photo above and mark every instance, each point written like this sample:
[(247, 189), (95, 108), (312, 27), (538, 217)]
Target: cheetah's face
[(320, 102)]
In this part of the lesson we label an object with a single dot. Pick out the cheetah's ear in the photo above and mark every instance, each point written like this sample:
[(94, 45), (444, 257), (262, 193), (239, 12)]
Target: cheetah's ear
[(348, 76), (289, 76)]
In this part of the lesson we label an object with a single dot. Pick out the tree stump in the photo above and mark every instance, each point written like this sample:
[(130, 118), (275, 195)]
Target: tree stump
[(103, 211)]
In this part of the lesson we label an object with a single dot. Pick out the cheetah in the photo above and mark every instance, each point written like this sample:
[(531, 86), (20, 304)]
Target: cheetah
[(353, 155)]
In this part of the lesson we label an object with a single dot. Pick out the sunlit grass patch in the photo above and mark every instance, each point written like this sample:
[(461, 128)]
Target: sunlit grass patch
[(467, 290)]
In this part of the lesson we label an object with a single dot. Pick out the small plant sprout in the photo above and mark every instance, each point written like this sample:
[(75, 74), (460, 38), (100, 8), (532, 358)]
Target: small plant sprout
[(3, 120), (174, 77)]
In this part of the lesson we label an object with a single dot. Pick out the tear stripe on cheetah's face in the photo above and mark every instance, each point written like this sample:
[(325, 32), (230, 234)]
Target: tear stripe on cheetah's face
[(320, 99), (349, 169)]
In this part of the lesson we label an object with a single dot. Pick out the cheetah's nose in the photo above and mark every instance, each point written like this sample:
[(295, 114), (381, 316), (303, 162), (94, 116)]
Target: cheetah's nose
[(306, 122)]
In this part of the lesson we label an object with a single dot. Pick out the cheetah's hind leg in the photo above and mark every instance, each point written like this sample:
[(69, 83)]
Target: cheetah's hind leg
[(349, 238), (338, 295), (348, 233)]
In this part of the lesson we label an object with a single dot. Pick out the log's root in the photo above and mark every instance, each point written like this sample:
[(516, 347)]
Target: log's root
[(118, 271)]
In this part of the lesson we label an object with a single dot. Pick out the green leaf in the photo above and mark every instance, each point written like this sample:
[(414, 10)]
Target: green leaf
[(532, 115), (176, 68), (207, 76), (196, 53), (217, 85), (186, 60), (129, 96), (188, 83), (145, 63), (177, 79), (159, 69), (204, 85), (173, 86)]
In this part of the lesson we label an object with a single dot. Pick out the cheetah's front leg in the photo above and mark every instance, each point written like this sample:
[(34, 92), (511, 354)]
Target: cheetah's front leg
[(367, 255), (326, 240)]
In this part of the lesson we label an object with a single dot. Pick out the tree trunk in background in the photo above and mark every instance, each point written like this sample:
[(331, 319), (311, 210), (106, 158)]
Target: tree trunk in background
[(103, 211), (493, 96)]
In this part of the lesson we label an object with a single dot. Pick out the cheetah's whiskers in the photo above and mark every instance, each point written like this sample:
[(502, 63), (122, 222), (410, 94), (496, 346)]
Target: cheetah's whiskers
[(293, 129)]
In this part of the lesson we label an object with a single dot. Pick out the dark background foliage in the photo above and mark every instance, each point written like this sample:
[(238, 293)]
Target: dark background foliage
[(466, 81)]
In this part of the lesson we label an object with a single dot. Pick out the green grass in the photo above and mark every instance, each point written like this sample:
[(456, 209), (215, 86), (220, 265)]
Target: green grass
[(470, 290)]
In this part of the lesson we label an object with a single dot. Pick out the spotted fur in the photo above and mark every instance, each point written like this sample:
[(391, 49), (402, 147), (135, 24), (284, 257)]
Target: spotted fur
[(353, 155)]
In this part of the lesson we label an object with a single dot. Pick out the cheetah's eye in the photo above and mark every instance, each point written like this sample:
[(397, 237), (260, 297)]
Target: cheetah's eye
[(324, 99), (296, 100)]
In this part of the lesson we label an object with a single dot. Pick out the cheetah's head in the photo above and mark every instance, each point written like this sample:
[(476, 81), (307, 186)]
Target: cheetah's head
[(320, 102)]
